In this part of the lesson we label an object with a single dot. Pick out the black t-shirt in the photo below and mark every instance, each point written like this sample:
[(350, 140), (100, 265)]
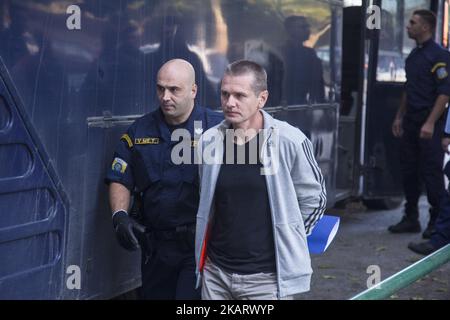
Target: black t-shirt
[(242, 234)]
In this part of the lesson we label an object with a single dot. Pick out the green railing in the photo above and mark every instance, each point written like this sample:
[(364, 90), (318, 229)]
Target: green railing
[(406, 276)]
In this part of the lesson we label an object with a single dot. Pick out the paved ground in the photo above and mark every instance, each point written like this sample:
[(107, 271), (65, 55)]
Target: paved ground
[(363, 240)]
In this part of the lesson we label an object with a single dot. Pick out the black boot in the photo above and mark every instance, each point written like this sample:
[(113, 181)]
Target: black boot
[(405, 225), (428, 231), (430, 227), (424, 248)]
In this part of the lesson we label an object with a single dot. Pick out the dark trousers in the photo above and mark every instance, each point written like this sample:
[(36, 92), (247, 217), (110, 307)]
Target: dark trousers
[(169, 271), (441, 235), (421, 161)]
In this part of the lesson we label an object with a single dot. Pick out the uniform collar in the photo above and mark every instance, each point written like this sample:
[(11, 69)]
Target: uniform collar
[(426, 43), (195, 115), (188, 124)]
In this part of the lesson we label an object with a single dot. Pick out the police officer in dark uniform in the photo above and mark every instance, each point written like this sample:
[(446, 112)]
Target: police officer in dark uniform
[(303, 68), (441, 235), (145, 163), (419, 122)]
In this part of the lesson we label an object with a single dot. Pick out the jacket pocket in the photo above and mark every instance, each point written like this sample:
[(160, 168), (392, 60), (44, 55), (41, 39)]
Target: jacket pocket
[(292, 251)]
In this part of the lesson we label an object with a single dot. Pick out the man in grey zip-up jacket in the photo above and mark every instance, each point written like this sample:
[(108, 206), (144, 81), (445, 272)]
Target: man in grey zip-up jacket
[(292, 186)]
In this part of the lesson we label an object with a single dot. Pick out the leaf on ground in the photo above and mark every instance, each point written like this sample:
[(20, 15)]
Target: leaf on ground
[(378, 249), (417, 298), (441, 290), (439, 280), (413, 259), (425, 278), (328, 277)]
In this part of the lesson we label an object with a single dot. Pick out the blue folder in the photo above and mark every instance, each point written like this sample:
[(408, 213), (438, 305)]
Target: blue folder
[(447, 124), (322, 234)]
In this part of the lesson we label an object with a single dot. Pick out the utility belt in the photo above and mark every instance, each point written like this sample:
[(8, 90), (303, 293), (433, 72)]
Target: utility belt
[(420, 114), (417, 115), (184, 235), (183, 232)]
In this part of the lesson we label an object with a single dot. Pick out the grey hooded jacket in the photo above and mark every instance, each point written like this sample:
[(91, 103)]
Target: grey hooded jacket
[(297, 197)]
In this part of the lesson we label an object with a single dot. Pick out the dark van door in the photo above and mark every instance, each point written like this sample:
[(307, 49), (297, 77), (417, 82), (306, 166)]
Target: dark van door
[(32, 209)]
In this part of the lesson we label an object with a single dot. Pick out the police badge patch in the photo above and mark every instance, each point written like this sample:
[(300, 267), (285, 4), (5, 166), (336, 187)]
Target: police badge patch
[(441, 73), (119, 165)]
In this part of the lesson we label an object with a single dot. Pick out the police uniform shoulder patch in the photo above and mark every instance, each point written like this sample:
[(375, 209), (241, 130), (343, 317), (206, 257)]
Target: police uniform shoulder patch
[(127, 139), (119, 165), (441, 73), (438, 65)]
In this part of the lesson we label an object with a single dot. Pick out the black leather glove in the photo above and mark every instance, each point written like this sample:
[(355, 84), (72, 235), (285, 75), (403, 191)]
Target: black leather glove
[(128, 231)]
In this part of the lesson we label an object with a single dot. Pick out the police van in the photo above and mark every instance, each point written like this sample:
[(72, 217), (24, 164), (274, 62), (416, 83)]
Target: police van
[(74, 77)]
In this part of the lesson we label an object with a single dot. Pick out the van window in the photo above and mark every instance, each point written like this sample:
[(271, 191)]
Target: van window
[(394, 44)]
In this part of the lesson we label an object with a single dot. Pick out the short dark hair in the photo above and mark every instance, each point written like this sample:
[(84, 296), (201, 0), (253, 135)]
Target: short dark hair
[(242, 67), (289, 21), (428, 16)]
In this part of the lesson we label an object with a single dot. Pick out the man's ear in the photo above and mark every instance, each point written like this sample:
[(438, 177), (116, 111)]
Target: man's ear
[(194, 91), (262, 98)]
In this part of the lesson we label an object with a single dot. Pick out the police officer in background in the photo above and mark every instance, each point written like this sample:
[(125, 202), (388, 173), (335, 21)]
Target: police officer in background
[(304, 73), (142, 163), (441, 235), (419, 122)]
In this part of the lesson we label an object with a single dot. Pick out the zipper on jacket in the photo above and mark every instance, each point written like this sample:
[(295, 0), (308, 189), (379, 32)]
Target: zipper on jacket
[(269, 154)]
